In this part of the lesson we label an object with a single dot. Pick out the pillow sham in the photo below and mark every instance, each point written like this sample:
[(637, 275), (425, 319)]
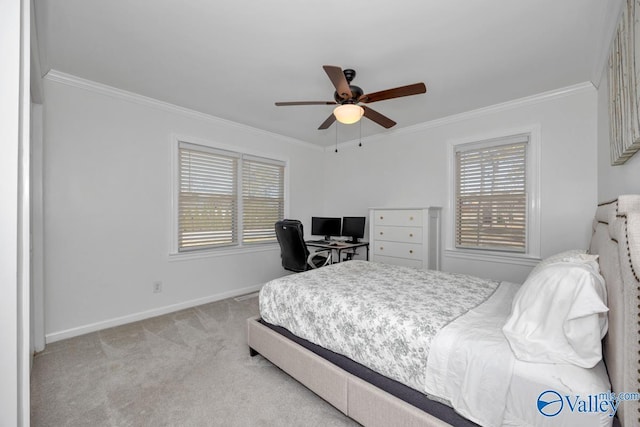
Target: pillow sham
[(559, 315), (572, 255)]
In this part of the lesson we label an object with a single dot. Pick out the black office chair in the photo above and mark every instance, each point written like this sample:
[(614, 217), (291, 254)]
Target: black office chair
[(293, 250)]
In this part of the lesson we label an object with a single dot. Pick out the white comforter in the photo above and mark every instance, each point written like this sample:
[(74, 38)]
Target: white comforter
[(470, 363), (472, 368)]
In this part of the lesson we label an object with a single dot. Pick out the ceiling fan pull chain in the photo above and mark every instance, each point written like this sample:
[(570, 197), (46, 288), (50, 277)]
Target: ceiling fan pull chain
[(336, 137), (360, 138)]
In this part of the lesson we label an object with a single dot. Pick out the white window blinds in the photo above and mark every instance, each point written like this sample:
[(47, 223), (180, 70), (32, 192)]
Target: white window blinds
[(207, 201), (226, 198), (491, 196), (262, 199)]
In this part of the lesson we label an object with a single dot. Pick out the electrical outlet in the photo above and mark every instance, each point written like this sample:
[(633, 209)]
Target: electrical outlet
[(157, 287)]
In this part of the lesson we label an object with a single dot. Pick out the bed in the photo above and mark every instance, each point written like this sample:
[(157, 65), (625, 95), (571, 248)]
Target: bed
[(459, 381)]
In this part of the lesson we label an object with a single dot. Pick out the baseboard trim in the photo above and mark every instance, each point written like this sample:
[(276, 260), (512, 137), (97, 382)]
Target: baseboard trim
[(130, 318)]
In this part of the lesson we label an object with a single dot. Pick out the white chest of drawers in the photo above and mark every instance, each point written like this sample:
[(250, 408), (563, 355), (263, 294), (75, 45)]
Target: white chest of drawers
[(406, 236)]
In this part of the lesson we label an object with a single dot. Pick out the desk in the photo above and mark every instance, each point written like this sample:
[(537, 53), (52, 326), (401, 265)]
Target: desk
[(339, 246)]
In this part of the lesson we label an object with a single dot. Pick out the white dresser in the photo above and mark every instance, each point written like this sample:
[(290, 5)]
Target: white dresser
[(406, 236)]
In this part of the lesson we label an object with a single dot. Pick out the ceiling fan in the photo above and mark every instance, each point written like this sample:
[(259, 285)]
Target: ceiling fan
[(348, 97)]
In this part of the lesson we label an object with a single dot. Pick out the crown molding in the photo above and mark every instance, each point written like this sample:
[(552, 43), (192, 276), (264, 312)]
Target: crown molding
[(78, 82), (472, 114), (92, 86)]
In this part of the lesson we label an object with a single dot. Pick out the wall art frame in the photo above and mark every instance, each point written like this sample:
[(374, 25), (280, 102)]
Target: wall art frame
[(624, 91)]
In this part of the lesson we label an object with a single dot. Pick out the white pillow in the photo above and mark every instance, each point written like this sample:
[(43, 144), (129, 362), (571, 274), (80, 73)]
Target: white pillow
[(559, 314), (577, 255)]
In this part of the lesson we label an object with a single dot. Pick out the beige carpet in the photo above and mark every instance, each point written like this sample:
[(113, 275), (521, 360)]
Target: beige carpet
[(189, 368)]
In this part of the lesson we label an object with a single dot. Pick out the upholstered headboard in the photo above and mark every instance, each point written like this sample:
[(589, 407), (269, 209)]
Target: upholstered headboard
[(616, 239)]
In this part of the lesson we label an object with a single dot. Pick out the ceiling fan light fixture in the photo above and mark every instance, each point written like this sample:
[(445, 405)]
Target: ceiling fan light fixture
[(348, 113), (347, 96)]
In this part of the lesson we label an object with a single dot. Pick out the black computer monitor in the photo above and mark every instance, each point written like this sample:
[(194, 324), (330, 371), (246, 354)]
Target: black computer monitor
[(353, 226), (327, 227)]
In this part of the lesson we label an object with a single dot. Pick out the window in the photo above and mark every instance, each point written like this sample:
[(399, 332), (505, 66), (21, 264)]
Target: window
[(262, 199), (491, 195), (226, 198)]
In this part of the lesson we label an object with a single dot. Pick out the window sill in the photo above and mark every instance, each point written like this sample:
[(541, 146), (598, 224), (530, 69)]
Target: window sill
[(526, 260), (214, 253)]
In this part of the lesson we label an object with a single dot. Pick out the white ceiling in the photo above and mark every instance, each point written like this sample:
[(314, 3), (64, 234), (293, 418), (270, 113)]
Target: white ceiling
[(234, 59)]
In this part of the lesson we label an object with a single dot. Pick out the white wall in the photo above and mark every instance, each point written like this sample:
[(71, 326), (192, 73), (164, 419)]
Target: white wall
[(107, 201), (107, 194), (613, 180), (9, 137), (410, 168), (14, 213), (37, 231)]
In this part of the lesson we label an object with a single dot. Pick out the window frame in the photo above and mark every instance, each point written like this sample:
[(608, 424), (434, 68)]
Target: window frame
[(240, 246), (531, 255)]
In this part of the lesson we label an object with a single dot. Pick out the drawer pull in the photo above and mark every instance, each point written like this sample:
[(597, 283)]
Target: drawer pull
[(410, 251), (381, 233), (410, 218), (381, 217), (410, 234), (381, 247)]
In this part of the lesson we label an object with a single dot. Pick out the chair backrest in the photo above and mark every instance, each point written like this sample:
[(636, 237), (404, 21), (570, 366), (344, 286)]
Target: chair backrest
[(293, 249)]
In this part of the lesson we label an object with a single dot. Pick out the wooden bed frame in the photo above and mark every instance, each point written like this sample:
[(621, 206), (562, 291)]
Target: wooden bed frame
[(616, 239)]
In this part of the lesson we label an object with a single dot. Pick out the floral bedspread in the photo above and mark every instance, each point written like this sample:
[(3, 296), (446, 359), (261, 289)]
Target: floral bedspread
[(382, 316)]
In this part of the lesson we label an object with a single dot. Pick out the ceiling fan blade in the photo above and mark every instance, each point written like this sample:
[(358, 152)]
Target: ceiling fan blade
[(380, 119), (284, 104), (397, 92), (328, 122), (339, 81)]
